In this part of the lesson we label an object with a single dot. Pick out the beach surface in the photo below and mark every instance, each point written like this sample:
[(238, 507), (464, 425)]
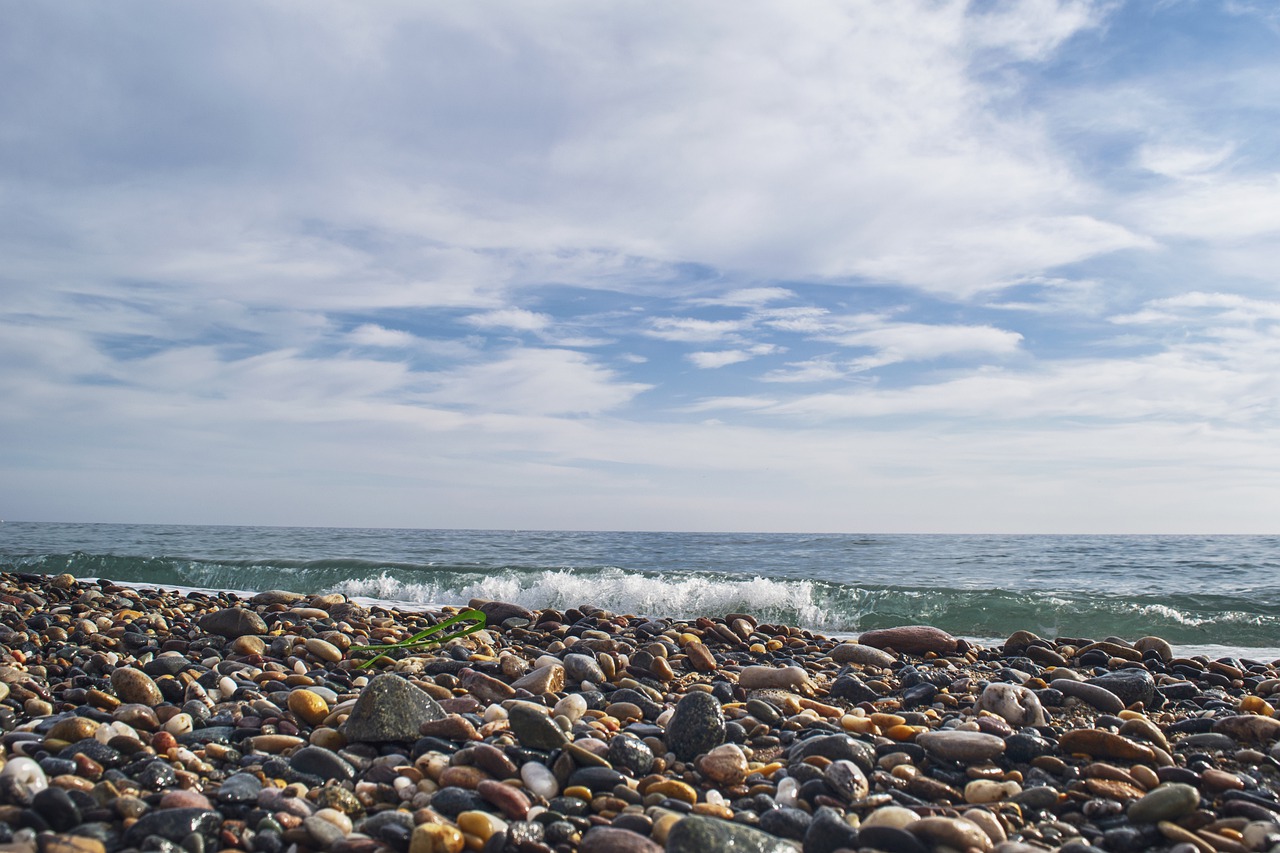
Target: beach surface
[(189, 721)]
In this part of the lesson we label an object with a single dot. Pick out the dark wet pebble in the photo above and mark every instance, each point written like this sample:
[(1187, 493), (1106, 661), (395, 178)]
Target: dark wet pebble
[(696, 727), (173, 825), (57, 808), (321, 762), (390, 709)]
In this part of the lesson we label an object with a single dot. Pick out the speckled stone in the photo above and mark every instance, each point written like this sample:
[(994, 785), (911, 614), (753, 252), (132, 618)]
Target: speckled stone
[(697, 726), (390, 709)]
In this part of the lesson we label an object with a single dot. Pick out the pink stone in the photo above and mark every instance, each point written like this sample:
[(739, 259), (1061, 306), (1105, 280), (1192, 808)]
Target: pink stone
[(181, 799), (911, 640)]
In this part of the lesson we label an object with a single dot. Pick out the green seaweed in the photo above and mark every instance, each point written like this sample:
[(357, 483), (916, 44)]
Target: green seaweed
[(420, 641)]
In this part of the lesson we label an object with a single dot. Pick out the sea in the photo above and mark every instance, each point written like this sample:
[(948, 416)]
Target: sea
[(1214, 595)]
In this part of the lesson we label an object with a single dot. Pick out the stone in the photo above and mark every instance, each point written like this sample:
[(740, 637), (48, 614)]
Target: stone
[(1096, 695), (1103, 744), (544, 679), (232, 622), (1167, 802), (852, 689), (323, 650), (317, 761), (911, 640), (239, 788), (72, 729), (449, 727), (724, 765), (511, 801), (697, 834), (955, 832), (579, 668), (697, 726), (768, 677), (173, 825), (828, 832), (57, 808), (846, 779), (700, 658), (436, 838), (534, 728), (969, 747), (497, 612), (1249, 728), (1130, 684), (890, 839), (836, 747), (605, 839), (485, 688), (861, 655), (308, 706), (1155, 644), (390, 709), (631, 754), (135, 687), (1016, 704)]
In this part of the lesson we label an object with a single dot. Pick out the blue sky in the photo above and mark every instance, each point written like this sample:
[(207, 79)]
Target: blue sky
[(836, 266)]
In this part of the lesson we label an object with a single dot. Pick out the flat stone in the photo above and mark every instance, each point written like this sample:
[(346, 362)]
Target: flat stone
[(861, 655), (961, 746), (232, 622), (390, 709), (317, 761), (767, 677), (1096, 695), (450, 727), (697, 834), (725, 765), (239, 788), (836, 747), (697, 726), (955, 832), (850, 688), (544, 679), (1166, 802), (911, 640), (276, 596), (534, 728), (1249, 727), (1103, 744), (605, 839), (579, 668), (1131, 684), (631, 754), (173, 825)]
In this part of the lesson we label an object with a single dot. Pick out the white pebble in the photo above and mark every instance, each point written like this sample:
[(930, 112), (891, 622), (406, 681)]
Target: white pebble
[(539, 779), (494, 713), (571, 707), (179, 724), (787, 792), (26, 771)]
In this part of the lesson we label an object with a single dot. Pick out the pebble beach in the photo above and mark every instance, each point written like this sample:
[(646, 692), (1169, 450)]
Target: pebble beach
[(194, 722)]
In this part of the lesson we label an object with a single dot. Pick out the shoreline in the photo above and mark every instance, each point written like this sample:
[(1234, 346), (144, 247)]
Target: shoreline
[(136, 719)]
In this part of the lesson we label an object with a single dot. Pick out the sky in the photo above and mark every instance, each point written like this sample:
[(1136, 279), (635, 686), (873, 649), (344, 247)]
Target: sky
[(846, 266)]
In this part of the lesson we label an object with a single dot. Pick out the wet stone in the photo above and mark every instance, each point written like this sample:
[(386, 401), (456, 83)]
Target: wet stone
[(324, 763), (534, 728), (829, 832), (603, 839), (135, 686), (239, 788), (57, 809), (173, 825), (631, 754), (786, 822), (232, 622), (1167, 802)]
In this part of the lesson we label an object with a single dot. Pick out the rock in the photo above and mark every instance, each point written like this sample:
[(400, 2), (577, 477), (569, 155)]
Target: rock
[(232, 622), (852, 689), (631, 754), (1096, 695), (485, 688), (390, 709), (846, 779), (57, 808), (911, 640), (829, 832), (604, 839), (323, 650), (276, 596), (135, 687), (697, 834), (1249, 727), (697, 726), (1167, 802), (309, 706), (317, 761), (955, 832), (534, 728), (1155, 644), (510, 800), (725, 765), (891, 839), (449, 727), (786, 822), (239, 788), (173, 825), (1016, 704), (544, 679), (1131, 684), (835, 748), (968, 747), (579, 668), (768, 677), (497, 612), (861, 655), (700, 658), (1103, 744)]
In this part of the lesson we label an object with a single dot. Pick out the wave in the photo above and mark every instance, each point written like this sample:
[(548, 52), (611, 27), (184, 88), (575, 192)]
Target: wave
[(820, 605)]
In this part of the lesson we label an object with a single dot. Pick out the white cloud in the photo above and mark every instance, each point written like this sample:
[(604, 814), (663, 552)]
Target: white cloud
[(373, 335), (692, 330), (813, 370), (1176, 161), (748, 297), (510, 318), (536, 382), (723, 358)]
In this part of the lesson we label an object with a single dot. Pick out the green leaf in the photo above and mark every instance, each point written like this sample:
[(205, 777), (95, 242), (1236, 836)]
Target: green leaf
[(420, 640)]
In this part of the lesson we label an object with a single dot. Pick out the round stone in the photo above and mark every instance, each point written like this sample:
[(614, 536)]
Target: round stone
[(135, 686), (1167, 802), (697, 726)]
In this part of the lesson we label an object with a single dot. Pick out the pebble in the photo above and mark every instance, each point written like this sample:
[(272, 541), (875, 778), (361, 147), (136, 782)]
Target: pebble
[(135, 686), (696, 834), (861, 655), (697, 726), (969, 747), (1016, 704), (911, 639), (533, 727), (766, 677)]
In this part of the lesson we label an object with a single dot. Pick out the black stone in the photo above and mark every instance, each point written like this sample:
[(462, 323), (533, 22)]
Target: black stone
[(786, 822), (890, 839), (696, 727), (852, 689), (630, 753), (57, 809), (828, 832), (1130, 684), (173, 825), (324, 763)]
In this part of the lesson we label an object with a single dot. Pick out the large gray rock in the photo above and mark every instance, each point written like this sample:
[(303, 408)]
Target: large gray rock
[(1131, 684), (232, 622), (390, 709), (697, 726), (697, 834)]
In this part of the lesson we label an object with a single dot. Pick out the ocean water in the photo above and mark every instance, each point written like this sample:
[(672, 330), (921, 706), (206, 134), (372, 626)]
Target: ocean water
[(1212, 594)]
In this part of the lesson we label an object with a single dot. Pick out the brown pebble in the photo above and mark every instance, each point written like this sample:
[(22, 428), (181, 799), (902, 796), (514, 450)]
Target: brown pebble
[(450, 727)]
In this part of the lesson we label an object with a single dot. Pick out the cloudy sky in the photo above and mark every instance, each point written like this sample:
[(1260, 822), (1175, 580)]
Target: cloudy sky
[(920, 266)]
